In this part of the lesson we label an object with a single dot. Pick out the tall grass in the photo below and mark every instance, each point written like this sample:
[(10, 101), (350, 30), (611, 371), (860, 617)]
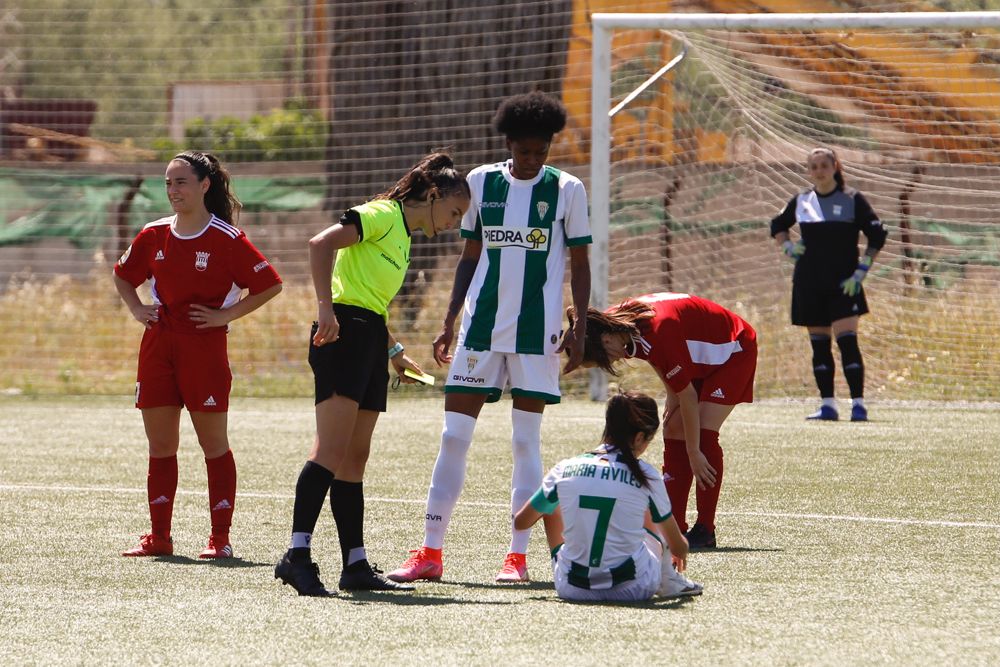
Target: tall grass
[(71, 336)]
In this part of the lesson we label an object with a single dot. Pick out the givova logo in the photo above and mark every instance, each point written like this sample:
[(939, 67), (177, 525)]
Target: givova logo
[(529, 238)]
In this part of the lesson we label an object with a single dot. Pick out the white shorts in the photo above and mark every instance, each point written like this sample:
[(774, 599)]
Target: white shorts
[(643, 587), (488, 372)]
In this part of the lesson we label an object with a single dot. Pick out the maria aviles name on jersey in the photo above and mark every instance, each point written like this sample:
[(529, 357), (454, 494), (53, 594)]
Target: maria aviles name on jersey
[(612, 473)]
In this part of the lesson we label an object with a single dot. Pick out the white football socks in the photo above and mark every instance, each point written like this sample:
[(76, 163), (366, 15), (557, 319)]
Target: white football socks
[(448, 476), (526, 441)]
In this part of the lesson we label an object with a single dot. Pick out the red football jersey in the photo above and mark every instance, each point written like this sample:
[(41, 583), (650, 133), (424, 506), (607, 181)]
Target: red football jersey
[(210, 268), (688, 337)]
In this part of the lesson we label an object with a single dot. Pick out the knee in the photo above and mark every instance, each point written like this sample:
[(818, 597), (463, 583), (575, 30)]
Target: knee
[(213, 448), (162, 445), (457, 432), (674, 430), (356, 456), (821, 349), (160, 449), (709, 442), (848, 343), (526, 448), (328, 454)]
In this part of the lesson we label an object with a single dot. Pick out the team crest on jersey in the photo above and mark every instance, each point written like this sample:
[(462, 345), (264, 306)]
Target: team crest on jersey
[(201, 260), (529, 238), (837, 209), (472, 361), (542, 207)]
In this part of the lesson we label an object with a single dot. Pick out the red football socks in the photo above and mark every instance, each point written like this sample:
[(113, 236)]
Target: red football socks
[(708, 499), (221, 492), (161, 487), (677, 478)]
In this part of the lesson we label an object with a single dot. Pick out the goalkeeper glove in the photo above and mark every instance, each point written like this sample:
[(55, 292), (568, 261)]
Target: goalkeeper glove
[(794, 250), (852, 285)]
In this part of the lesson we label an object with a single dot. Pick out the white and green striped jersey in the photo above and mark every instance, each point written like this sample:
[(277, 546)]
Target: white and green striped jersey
[(603, 509), (515, 300)]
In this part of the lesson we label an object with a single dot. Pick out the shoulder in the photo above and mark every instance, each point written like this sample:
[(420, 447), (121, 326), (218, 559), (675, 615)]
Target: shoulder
[(483, 169), (159, 223), (570, 184), (651, 472), (219, 226), (858, 197), (378, 209), (566, 179), (158, 226), (576, 460), (793, 202)]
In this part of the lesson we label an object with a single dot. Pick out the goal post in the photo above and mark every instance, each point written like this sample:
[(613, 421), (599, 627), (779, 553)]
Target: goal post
[(898, 128)]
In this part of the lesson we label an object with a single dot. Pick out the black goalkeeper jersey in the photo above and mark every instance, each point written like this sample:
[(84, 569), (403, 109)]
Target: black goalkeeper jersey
[(830, 225)]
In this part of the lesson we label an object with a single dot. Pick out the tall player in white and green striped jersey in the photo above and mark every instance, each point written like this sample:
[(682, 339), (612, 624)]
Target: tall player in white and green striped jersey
[(610, 500), (508, 285)]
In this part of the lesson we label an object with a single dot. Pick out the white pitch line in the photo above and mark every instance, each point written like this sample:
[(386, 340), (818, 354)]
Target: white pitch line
[(475, 503), (867, 519)]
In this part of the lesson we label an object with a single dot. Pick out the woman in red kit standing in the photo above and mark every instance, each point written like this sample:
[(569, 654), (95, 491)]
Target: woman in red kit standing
[(198, 265)]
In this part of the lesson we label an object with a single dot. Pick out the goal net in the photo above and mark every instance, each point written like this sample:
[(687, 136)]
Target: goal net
[(686, 176), (316, 105)]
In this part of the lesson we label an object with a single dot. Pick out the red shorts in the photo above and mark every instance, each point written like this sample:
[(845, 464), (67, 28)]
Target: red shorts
[(732, 382), (183, 369)]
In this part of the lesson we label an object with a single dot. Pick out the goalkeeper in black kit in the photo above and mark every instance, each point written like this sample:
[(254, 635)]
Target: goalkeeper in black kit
[(827, 294)]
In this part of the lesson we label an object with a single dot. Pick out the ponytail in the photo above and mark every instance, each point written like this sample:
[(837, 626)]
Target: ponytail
[(627, 415), (434, 172), (219, 198)]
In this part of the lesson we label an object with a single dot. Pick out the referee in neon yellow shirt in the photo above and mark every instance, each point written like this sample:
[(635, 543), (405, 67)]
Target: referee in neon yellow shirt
[(349, 354)]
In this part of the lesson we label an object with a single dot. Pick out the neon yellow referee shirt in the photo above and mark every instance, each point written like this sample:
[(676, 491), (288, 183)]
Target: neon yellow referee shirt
[(369, 273)]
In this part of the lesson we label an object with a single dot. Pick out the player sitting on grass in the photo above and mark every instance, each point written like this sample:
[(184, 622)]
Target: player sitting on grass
[(607, 496)]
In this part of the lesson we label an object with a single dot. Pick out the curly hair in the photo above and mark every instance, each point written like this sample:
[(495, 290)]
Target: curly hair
[(534, 115)]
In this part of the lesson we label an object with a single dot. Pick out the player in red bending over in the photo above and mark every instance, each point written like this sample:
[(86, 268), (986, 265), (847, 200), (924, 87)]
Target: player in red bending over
[(707, 358), (198, 265)]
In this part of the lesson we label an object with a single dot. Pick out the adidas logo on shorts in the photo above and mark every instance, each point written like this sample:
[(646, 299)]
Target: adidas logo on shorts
[(718, 393), (209, 402)]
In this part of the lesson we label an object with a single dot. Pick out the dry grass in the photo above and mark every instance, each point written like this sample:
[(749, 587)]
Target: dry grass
[(71, 336)]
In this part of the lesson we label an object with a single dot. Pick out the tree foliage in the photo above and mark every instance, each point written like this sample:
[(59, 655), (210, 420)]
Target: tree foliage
[(124, 54)]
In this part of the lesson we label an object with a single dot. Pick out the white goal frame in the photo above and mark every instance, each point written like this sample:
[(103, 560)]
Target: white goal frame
[(603, 24)]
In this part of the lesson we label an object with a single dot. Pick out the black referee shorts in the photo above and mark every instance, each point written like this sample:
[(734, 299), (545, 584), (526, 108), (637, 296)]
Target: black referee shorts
[(356, 364), (815, 305)]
